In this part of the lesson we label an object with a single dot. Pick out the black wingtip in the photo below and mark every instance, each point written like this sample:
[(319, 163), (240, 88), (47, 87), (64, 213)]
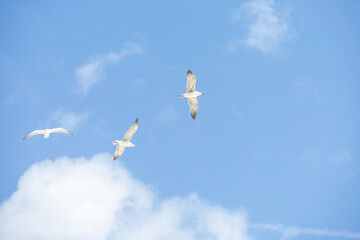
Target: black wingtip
[(189, 71)]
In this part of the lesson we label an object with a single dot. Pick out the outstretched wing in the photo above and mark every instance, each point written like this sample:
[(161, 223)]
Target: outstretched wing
[(191, 81), (128, 135), (60, 130), (119, 151), (34, 133), (193, 103)]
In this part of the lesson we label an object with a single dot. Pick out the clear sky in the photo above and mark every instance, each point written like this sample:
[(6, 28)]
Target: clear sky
[(273, 153)]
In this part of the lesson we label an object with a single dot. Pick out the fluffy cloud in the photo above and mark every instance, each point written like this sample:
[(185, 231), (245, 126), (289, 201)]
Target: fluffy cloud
[(67, 119), (98, 199), (91, 73), (267, 29)]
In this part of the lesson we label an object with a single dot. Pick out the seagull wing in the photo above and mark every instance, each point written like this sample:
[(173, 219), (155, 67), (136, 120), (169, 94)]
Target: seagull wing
[(193, 103), (128, 135), (60, 130), (119, 151), (191, 81), (34, 133)]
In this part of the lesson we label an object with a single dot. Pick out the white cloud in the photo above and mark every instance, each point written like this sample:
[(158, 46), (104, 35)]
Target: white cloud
[(67, 119), (91, 73), (98, 199), (290, 232), (268, 28)]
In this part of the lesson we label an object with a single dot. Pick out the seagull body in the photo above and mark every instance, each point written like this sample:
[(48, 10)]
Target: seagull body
[(125, 142), (47, 132), (191, 94)]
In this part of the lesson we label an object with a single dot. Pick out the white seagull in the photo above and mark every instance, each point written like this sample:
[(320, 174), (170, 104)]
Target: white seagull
[(191, 94), (47, 132), (125, 142)]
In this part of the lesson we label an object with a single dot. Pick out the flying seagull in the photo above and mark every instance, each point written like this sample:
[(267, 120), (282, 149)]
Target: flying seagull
[(47, 132), (191, 94), (125, 142)]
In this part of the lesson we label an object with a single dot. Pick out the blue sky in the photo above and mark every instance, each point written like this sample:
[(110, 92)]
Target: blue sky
[(275, 144)]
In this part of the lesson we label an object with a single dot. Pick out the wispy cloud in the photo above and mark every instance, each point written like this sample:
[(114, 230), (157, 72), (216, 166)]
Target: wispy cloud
[(137, 82), (267, 29), (79, 198), (92, 72), (290, 232), (67, 119), (354, 173), (236, 112), (169, 114), (342, 157), (304, 89)]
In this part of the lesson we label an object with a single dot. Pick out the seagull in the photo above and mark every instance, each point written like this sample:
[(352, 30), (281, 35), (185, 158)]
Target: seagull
[(191, 94), (47, 132), (125, 142)]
